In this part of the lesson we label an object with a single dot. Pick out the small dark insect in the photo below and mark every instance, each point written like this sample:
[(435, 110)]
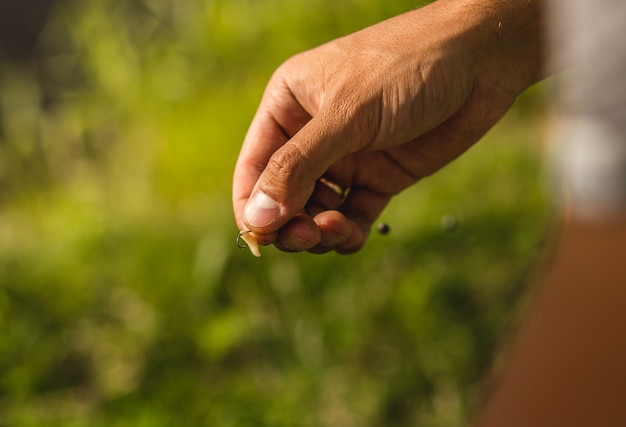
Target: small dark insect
[(383, 228)]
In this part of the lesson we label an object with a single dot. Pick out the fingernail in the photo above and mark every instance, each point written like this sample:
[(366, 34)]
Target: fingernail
[(261, 210)]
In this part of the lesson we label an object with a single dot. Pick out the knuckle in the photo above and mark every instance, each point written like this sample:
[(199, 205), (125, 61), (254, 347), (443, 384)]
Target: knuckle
[(285, 166)]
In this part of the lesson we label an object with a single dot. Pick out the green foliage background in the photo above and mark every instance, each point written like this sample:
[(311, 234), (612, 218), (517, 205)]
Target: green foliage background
[(123, 298)]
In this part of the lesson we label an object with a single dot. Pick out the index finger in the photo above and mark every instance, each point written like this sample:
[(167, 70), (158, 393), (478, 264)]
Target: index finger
[(278, 118)]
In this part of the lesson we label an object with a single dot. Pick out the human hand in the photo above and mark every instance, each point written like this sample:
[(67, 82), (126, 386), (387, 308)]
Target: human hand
[(375, 112)]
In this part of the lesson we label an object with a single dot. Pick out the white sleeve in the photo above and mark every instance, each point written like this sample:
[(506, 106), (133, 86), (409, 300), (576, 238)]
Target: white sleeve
[(591, 133)]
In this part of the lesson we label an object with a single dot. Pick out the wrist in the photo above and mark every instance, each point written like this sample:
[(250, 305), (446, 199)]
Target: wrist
[(513, 35), (503, 38)]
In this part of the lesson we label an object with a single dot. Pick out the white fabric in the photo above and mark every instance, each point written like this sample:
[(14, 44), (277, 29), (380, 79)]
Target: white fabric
[(591, 140)]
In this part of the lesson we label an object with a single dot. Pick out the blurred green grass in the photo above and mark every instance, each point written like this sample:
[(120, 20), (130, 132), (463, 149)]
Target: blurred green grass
[(123, 298)]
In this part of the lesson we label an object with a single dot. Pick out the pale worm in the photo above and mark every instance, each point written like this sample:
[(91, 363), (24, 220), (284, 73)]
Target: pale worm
[(250, 242)]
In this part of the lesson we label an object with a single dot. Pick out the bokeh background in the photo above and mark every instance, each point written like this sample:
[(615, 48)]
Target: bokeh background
[(124, 300)]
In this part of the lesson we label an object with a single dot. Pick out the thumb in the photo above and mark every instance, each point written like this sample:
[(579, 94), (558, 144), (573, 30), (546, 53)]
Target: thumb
[(288, 180)]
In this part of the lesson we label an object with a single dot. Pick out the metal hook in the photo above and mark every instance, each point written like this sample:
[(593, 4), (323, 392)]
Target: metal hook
[(245, 241), (240, 244)]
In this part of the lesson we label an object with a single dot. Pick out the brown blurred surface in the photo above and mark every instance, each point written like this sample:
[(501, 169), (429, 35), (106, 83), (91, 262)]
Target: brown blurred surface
[(21, 22)]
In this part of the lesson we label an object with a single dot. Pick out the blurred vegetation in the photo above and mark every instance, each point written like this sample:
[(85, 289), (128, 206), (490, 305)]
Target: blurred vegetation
[(123, 298)]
